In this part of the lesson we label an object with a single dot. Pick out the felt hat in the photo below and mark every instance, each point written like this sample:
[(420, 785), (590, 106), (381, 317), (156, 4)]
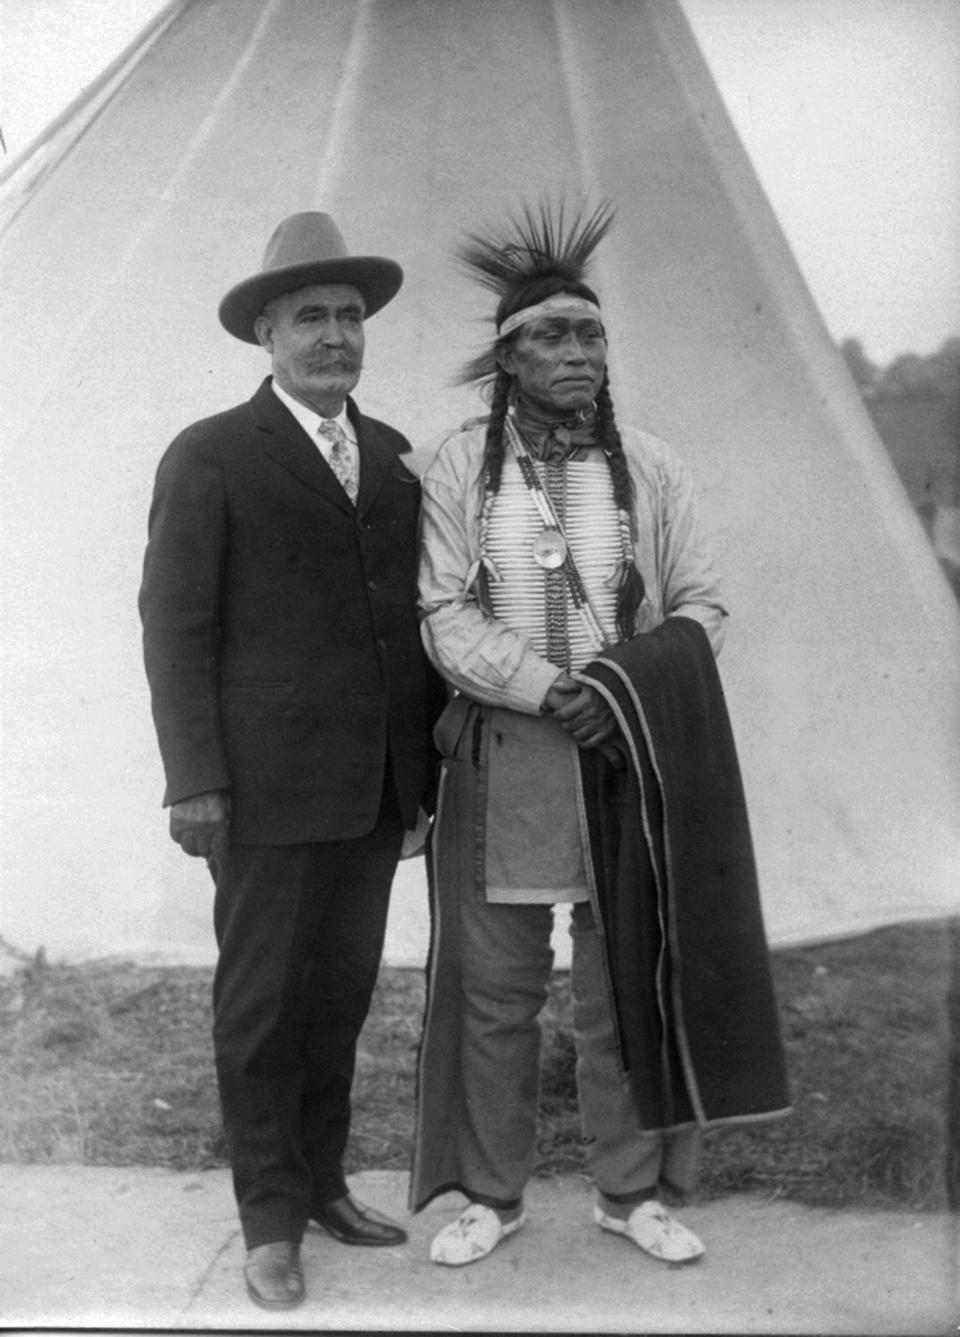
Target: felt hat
[(306, 249)]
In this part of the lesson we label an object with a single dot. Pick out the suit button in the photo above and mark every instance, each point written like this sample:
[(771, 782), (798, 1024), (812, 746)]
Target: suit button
[(371, 584), (381, 644)]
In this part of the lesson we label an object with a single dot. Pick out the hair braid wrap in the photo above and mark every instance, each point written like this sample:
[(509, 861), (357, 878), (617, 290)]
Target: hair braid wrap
[(631, 589), (494, 444)]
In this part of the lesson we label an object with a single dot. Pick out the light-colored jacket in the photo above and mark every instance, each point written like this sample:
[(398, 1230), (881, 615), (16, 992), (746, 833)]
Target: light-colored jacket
[(486, 660)]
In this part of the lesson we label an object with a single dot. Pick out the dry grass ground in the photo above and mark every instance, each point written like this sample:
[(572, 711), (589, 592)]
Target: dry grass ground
[(110, 1063)]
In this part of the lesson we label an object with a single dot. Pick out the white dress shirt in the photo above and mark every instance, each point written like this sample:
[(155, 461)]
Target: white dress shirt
[(310, 421)]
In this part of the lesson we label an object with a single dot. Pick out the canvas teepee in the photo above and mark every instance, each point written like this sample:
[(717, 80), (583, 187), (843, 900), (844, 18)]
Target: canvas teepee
[(407, 120)]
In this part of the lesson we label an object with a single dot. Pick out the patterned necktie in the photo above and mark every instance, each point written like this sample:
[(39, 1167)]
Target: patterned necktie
[(341, 458)]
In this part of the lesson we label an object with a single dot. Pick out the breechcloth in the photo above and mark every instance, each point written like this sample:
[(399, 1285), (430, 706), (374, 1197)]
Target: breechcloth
[(300, 930), (506, 961)]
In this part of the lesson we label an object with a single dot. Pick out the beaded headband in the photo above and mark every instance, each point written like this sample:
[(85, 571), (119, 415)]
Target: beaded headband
[(537, 243), (561, 302)]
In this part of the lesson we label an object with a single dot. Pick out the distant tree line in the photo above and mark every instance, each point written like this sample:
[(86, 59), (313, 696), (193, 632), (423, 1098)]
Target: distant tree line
[(915, 406)]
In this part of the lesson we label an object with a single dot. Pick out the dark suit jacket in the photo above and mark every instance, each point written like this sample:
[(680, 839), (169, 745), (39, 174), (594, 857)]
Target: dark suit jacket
[(280, 632)]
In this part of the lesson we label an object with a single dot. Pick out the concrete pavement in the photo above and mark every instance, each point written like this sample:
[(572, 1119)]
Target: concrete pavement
[(85, 1247)]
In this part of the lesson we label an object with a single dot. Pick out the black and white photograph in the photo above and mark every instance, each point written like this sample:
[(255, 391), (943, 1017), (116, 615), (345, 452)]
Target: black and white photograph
[(480, 666)]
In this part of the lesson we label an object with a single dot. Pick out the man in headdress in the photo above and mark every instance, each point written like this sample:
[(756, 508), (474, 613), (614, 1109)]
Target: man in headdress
[(291, 699), (569, 598)]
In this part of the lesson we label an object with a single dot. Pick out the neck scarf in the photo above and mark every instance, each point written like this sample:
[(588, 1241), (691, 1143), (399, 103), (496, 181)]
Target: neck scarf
[(555, 436)]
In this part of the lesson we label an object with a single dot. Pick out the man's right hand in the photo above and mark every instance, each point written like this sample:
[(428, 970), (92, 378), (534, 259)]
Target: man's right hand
[(562, 690), (585, 716), (199, 824)]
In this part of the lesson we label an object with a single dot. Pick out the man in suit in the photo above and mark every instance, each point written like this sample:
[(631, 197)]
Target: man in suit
[(292, 704)]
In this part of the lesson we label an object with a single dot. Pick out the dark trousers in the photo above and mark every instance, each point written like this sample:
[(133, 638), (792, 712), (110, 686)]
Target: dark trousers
[(300, 931)]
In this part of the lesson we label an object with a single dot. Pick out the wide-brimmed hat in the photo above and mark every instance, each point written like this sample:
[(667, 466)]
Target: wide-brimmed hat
[(306, 249)]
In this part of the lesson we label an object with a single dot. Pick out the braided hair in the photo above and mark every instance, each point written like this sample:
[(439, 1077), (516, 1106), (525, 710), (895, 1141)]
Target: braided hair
[(502, 391), (536, 258), (631, 590)]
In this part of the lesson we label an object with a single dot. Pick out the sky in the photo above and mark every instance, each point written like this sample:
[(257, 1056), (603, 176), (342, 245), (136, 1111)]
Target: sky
[(849, 109)]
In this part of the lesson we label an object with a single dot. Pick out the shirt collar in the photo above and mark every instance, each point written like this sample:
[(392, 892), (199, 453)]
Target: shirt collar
[(309, 419)]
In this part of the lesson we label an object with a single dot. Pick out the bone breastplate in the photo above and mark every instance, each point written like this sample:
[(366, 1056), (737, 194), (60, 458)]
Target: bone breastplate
[(536, 601)]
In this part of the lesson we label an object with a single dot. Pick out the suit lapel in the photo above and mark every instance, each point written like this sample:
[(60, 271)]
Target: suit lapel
[(376, 459), (290, 447)]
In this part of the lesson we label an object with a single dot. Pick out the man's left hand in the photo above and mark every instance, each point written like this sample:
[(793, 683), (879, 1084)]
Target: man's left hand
[(199, 824), (587, 718)]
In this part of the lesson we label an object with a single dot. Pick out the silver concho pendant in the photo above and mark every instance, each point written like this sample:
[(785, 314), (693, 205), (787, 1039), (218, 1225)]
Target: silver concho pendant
[(549, 549)]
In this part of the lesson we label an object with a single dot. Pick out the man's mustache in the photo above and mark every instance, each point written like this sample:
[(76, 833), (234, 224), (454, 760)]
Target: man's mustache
[(338, 364)]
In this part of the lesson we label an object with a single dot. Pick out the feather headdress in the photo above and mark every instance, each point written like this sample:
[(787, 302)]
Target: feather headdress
[(538, 243)]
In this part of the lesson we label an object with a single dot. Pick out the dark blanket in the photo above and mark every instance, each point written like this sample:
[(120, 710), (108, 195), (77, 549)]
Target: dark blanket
[(677, 889)]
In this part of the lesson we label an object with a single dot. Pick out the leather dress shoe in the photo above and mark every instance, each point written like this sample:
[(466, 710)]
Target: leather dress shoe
[(351, 1222), (273, 1275)]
